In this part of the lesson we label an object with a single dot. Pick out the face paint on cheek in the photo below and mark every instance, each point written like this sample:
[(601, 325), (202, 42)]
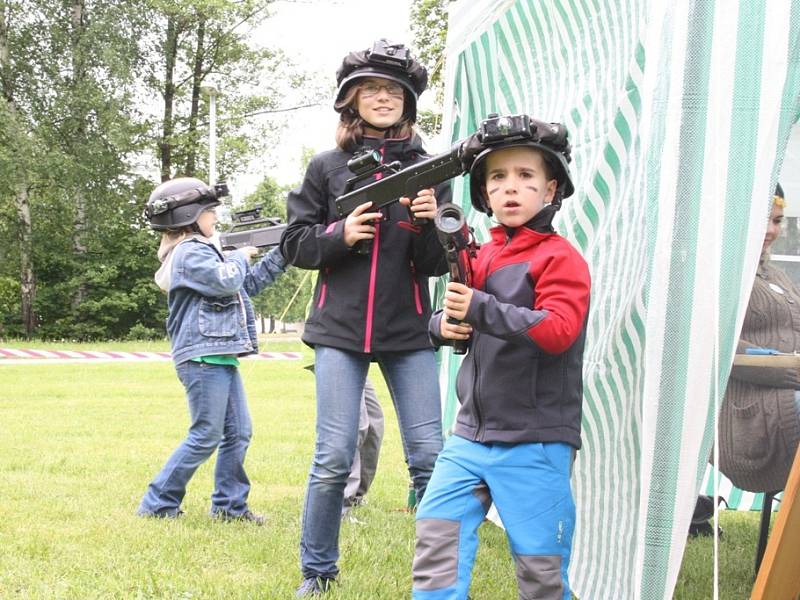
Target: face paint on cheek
[(532, 188), (492, 191)]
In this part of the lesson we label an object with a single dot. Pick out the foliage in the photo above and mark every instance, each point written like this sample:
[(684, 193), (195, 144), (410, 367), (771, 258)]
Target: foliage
[(428, 21), (82, 128)]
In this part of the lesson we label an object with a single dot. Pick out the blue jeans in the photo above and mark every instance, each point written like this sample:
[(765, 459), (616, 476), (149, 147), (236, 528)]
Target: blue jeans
[(413, 382), (219, 420)]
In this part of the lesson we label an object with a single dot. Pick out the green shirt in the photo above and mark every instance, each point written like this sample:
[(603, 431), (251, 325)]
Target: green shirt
[(218, 359)]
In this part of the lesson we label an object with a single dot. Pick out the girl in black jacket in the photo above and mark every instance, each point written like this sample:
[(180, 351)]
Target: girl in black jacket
[(371, 301)]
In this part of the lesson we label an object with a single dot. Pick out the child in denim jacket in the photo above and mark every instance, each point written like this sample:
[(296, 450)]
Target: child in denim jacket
[(211, 322)]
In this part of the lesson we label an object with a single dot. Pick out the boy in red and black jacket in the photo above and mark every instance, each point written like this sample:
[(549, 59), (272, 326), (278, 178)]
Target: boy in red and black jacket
[(520, 386)]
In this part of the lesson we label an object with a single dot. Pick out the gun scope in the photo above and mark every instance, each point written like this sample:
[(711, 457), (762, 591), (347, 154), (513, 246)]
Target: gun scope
[(364, 162)]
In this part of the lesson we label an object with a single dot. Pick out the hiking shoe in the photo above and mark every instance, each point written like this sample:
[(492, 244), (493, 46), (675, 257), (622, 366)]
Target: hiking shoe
[(169, 514), (314, 586), (247, 516)]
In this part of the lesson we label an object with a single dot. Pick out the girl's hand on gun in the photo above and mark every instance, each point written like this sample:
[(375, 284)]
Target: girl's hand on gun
[(456, 300), (423, 206), (357, 224), (249, 251)]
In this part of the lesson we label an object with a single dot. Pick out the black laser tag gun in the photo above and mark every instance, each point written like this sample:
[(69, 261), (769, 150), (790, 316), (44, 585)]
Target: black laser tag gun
[(460, 247), (437, 169), (249, 228), (397, 183)]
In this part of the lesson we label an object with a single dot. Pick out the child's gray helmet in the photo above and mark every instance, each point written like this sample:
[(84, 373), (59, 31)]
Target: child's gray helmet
[(520, 131), (389, 61), (178, 202)]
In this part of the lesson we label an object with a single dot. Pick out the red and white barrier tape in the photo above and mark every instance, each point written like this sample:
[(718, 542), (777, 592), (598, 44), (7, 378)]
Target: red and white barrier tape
[(13, 353)]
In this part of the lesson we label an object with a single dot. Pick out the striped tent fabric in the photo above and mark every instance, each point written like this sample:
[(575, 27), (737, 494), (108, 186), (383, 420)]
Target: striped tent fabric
[(679, 114)]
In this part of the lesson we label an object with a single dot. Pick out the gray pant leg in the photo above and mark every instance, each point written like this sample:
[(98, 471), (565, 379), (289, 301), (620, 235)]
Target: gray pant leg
[(354, 478), (370, 448)]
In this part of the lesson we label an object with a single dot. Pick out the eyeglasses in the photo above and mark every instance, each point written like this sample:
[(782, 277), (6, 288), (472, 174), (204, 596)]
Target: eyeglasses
[(371, 89)]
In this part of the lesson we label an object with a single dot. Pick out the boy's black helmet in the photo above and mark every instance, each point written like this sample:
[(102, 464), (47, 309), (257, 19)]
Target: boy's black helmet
[(496, 133), (178, 202), (389, 61)]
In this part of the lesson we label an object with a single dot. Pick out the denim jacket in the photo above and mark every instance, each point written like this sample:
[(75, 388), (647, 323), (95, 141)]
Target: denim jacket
[(209, 300)]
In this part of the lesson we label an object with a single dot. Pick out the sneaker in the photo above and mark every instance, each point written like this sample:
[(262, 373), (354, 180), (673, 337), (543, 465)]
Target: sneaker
[(246, 516), (314, 586), (168, 514)]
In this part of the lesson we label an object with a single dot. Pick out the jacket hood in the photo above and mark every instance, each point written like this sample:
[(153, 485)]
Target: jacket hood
[(166, 251)]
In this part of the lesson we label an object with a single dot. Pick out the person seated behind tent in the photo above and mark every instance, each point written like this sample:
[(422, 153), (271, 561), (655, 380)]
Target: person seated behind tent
[(759, 427)]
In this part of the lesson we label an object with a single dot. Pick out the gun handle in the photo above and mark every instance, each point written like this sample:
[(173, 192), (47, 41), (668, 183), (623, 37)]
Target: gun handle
[(363, 247), (416, 220), (459, 346)]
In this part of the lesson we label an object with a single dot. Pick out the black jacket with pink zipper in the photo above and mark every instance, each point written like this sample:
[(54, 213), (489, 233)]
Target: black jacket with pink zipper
[(374, 302)]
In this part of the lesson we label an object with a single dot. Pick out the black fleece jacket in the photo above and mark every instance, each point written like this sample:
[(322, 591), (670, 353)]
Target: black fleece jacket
[(372, 302)]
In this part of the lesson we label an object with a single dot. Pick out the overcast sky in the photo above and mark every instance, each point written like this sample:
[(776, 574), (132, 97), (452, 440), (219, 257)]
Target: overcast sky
[(317, 35)]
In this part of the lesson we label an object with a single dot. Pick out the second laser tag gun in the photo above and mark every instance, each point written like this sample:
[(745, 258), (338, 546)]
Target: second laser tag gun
[(437, 169), (460, 248), (249, 228)]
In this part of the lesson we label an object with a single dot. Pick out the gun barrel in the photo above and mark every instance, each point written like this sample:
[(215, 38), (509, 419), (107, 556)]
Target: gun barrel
[(408, 182)]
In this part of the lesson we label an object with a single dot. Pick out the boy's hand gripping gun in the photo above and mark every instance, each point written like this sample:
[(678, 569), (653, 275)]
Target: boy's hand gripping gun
[(460, 247)]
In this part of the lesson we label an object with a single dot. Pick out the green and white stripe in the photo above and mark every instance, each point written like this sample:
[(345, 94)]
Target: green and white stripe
[(735, 498), (678, 112)]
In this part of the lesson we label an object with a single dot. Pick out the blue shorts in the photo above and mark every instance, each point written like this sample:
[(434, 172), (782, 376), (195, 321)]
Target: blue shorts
[(530, 487)]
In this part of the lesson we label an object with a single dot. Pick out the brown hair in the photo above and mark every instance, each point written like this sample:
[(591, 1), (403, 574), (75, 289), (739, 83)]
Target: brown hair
[(350, 130)]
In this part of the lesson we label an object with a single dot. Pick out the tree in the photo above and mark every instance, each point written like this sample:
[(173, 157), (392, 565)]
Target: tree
[(428, 21), (15, 167), (208, 40), (94, 94), (68, 119)]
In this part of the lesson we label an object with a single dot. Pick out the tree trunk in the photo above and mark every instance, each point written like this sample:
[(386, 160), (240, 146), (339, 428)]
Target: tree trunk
[(7, 82), (79, 197), (170, 53), (197, 79), (27, 282)]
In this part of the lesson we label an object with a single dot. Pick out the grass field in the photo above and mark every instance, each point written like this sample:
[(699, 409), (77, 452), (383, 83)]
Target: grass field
[(80, 442)]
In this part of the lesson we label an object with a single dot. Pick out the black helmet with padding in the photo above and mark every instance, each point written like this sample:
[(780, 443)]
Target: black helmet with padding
[(386, 60)]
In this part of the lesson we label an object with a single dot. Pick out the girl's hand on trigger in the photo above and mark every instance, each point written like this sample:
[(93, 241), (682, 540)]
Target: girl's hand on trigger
[(357, 224), (456, 300), (423, 206)]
